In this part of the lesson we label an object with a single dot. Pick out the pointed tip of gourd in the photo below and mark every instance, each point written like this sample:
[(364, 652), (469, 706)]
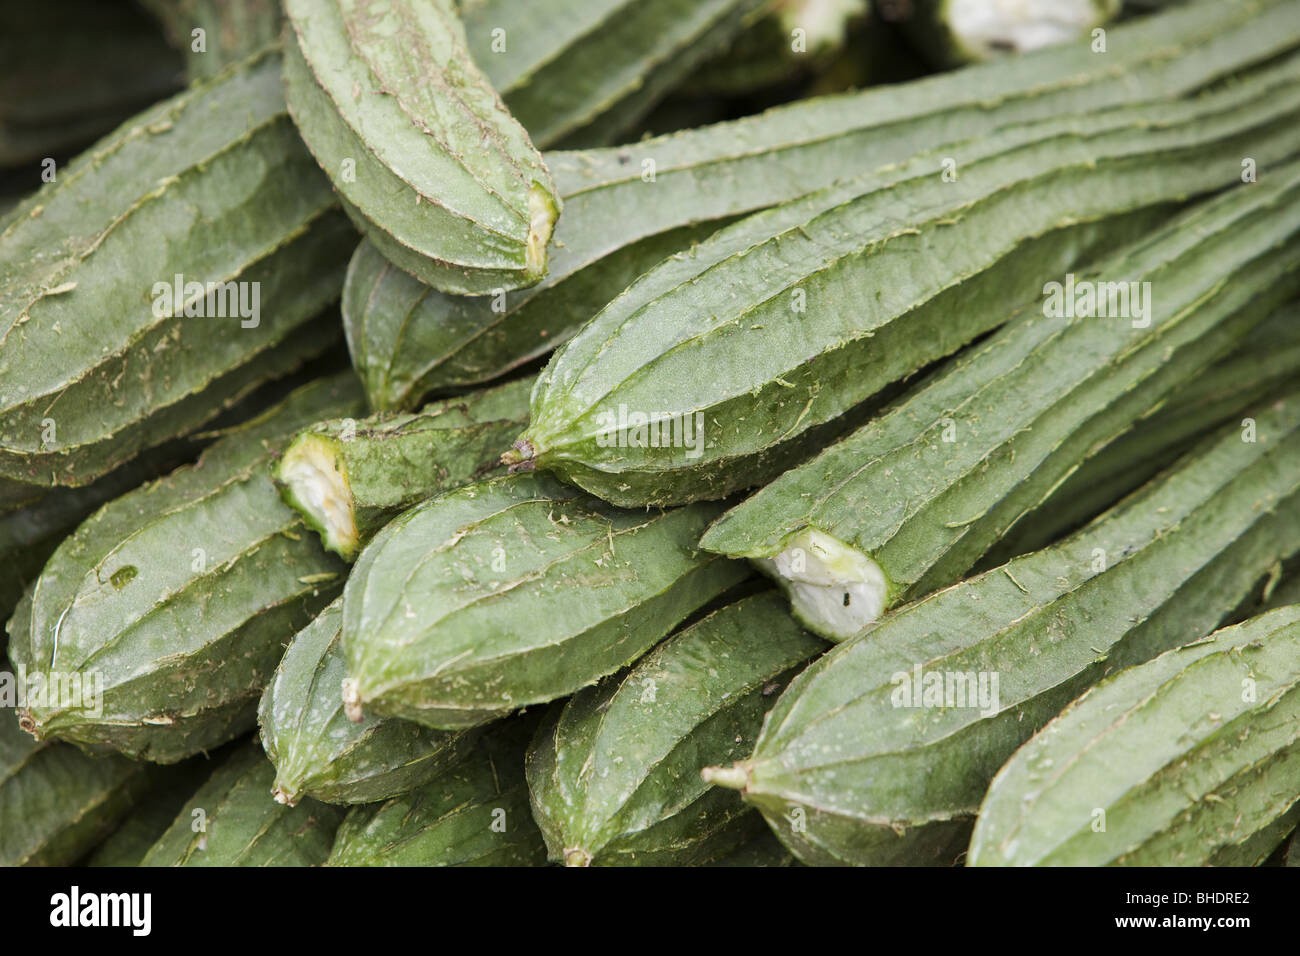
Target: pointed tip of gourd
[(576, 856), (542, 213), (521, 457), (735, 777), (352, 700)]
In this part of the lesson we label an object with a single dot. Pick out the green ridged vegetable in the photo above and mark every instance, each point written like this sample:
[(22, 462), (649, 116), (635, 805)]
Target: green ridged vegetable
[(760, 58), (213, 186), (318, 752), (1265, 360), (1259, 846), (848, 769), (429, 163), (18, 494), (614, 772), (151, 817), (232, 30), (1180, 761), (408, 340), (526, 591), (55, 802), (181, 595), (74, 72), (585, 71), (350, 478), (232, 821), (475, 813), (1283, 591), (954, 32), (1266, 364), (669, 347), (29, 534), (911, 501)]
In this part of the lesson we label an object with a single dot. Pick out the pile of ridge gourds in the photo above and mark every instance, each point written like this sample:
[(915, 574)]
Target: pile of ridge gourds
[(650, 432)]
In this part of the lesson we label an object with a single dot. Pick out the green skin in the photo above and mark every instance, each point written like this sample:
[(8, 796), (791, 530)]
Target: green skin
[(1016, 185), (1264, 365), (495, 565), (150, 818), (408, 340), (29, 535), (631, 481), (233, 29), (1263, 843), (930, 486), (18, 495), (614, 772), (318, 752), (56, 803), (128, 582), (242, 825), (835, 768), (350, 478), (1284, 592), (1186, 771), (447, 183), (474, 813), (279, 232), (584, 73), (759, 59)]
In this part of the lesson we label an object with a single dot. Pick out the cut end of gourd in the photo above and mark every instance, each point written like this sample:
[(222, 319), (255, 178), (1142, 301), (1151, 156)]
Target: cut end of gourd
[(824, 23), (735, 777), (577, 857), (286, 797), (981, 29), (352, 700), (835, 590), (542, 213), (314, 480), (521, 457), (28, 723)]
